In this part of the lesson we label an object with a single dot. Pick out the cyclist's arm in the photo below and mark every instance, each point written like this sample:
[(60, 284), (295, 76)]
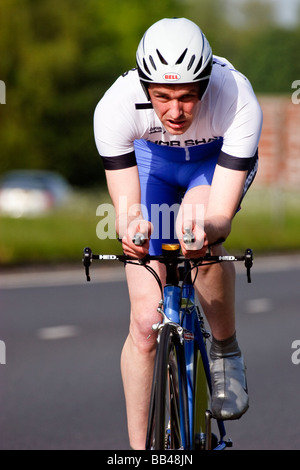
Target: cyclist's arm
[(238, 118), (225, 195), (124, 189)]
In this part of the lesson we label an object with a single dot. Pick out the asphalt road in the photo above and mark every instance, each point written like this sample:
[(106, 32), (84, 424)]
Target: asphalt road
[(61, 338)]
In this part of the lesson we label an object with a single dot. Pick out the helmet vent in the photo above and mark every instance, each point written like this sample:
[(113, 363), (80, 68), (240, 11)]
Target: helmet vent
[(146, 67), (191, 62), (205, 72), (163, 61), (180, 60), (198, 66), (152, 62)]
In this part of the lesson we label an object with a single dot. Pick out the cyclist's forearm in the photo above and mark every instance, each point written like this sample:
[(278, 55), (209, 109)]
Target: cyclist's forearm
[(216, 228), (124, 220), (124, 189)]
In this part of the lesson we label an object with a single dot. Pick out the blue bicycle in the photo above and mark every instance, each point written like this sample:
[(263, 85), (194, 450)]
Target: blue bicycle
[(179, 415)]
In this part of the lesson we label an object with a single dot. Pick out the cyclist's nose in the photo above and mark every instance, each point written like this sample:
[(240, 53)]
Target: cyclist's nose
[(175, 109)]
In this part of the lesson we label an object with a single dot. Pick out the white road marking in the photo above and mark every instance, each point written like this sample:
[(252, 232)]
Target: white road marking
[(58, 332), (19, 280), (256, 306)]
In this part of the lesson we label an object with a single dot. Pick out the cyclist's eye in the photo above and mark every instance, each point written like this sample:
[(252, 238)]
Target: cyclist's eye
[(187, 98), (163, 98)]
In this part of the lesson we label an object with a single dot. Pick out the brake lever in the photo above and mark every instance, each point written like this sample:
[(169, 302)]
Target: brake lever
[(87, 261), (248, 262)]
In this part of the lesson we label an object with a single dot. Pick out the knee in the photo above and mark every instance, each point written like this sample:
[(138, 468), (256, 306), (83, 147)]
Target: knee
[(142, 335)]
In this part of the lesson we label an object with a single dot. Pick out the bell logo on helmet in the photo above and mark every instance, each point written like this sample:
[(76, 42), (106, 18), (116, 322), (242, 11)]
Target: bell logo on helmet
[(171, 77)]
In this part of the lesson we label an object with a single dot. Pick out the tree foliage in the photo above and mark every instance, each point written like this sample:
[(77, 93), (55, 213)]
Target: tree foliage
[(57, 58)]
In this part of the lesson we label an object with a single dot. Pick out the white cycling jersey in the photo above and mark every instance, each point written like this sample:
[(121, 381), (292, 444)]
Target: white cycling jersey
[(229, 110)]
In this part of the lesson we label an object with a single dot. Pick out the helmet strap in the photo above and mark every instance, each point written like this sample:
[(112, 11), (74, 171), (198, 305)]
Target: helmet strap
[(145, 86)]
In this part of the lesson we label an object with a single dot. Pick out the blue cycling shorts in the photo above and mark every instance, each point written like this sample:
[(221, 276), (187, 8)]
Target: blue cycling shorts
[(166, 173)]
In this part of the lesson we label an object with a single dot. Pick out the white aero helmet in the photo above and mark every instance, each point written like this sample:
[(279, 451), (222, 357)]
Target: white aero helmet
[(174, 51)]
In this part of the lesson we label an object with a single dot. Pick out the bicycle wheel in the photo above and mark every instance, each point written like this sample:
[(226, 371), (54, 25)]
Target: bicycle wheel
[(201, 405), (168, 426)]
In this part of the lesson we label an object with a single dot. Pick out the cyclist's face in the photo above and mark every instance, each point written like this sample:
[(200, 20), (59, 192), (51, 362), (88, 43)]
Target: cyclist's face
[(175, 105)]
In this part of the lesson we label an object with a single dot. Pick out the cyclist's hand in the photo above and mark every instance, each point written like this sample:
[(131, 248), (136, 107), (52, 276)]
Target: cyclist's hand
[(137, 226), (193, 242)]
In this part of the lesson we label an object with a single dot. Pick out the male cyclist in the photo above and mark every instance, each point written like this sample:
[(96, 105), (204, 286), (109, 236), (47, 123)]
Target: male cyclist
[(183, 122)]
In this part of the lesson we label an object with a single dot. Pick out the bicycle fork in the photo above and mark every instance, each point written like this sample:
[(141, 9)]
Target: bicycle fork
[(175, 311), (197, 373)]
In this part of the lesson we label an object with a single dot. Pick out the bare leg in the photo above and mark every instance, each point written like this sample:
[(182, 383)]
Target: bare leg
[(138, 354), (215, 286)]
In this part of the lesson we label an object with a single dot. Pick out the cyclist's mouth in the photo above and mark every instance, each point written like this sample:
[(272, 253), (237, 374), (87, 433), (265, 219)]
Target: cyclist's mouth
[(177, 124)]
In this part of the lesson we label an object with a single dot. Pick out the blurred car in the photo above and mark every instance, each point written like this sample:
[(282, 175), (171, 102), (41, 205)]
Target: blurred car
[(28, 193)]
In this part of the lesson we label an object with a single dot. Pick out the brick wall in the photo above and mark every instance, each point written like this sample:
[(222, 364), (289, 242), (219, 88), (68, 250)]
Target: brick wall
[(279, 147)]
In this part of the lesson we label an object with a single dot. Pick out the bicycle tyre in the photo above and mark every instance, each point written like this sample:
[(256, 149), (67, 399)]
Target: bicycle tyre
[(201, 403), (168, 426)]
